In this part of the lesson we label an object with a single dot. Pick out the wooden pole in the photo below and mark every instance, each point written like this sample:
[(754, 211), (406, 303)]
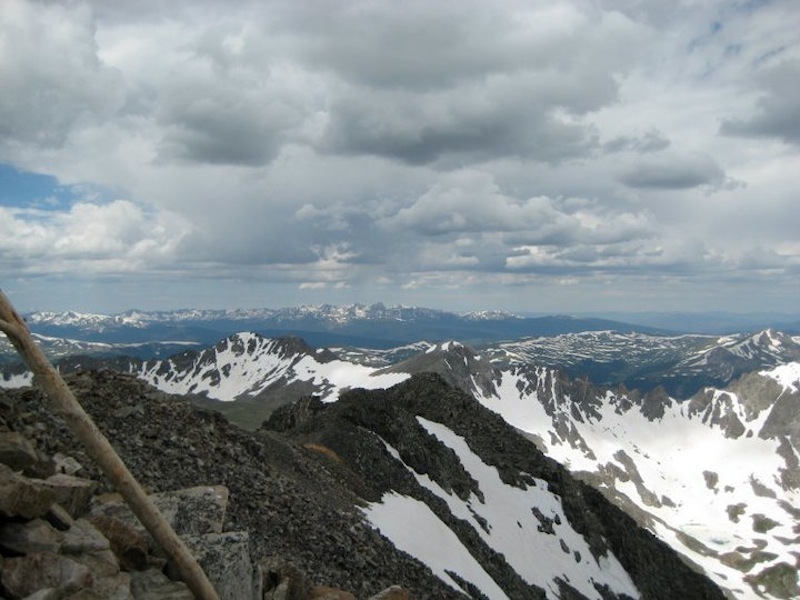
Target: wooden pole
[(101, 451)]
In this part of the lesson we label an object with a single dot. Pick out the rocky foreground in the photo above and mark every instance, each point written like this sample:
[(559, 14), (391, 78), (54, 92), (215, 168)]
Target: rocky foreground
[(277, 502), (279, 512)]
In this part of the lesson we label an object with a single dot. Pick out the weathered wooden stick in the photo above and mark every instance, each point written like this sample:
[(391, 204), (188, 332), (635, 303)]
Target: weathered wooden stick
[(101, 451)]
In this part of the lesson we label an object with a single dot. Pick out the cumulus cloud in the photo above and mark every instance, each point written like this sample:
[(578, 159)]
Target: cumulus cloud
[(115, 237), (419, 46), (471, 201), (479, 122), (471, 85), (227, 114), (778, 109)]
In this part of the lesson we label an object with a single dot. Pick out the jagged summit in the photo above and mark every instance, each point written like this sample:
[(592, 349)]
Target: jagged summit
[(458, 364), (248, 366)]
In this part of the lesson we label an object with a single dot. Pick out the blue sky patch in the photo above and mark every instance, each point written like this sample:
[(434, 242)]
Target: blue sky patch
[(25, 189)]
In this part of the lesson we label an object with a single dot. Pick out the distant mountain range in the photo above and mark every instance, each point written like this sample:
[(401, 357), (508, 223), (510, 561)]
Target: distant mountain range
[(374, 326), (608, 353)]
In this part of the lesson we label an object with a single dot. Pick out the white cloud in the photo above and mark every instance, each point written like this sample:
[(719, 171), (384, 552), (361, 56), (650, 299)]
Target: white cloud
[(115, 237)]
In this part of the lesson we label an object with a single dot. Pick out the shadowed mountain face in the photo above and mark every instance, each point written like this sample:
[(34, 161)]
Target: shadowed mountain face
[(417, 485)]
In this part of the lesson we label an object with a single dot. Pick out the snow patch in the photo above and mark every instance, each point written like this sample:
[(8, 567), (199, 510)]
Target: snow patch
[(787, 375), (17, 381), (413, 527)]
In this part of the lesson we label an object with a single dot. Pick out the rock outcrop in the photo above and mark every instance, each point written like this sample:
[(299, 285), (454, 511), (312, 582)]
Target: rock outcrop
[(264, 516)]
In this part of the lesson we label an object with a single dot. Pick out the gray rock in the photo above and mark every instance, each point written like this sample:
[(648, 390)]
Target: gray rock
[(72, 493), (59, 518), (46, 594), (225, 558), (30, 536), (66, 464), (84, 537), (281, 580), (128, 543), (16, 451), (194, 511), (26, 575), (152, 584), (394, 592), (23, 497)]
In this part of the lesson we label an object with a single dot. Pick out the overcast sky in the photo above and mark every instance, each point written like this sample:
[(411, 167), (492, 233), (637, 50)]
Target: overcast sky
[(533, 156)]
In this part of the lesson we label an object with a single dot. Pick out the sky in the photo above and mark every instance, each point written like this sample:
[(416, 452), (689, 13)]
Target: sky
[(542, 156)]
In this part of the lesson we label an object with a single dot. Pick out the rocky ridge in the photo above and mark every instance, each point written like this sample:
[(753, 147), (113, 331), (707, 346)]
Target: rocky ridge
[(299, 490), (275, 523), (381, 435)]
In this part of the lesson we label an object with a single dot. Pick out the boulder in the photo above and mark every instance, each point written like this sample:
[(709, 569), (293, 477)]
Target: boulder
[(66, 464), (26, 575), (72, 493), (30, 536), (394, 592), (281, 580), (46, 594), (152, 584), (225, 558), (23, 497), (83, 537), (194, 511), (59, 518), (16, 451), (127, 542), (323, 592)]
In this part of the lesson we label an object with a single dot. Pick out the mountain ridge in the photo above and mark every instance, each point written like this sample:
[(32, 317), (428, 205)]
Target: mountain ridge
[(715, 475), (322, 493)]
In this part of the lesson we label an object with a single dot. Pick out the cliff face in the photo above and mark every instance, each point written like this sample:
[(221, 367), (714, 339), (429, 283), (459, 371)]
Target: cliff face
[(311, 486)]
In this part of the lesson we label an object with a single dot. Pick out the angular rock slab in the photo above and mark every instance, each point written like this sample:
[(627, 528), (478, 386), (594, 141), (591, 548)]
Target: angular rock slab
[(225, 558), (72, 493), (26, 575), (23, 497), (152, 584), (191, 511), (31, 536)]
